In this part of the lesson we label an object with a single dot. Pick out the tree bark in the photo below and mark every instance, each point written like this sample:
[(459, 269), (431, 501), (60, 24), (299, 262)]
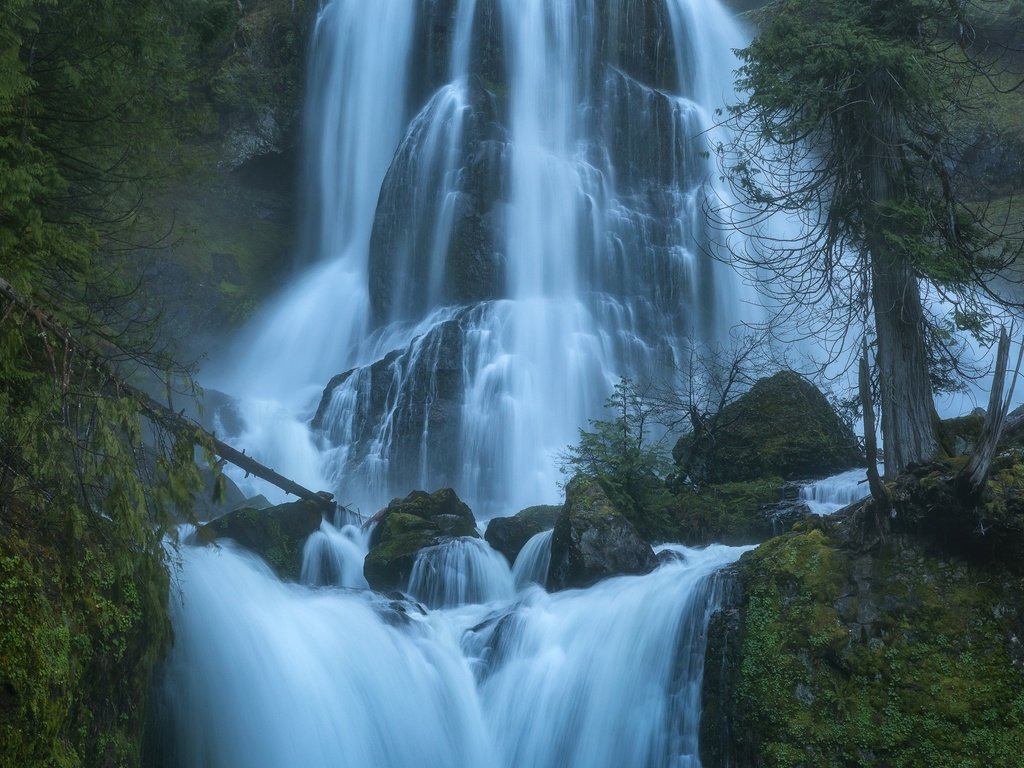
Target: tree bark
[(908, 410), (878, 492), (973, 476)]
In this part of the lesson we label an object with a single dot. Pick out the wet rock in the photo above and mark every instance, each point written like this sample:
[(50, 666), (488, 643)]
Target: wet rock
[(277, 534), (406, 526), (592, 540), (412, 269), (509, 535), (783, 426)]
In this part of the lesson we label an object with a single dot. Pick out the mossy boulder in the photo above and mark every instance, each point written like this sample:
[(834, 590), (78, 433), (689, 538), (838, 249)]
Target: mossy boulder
[(783, 426), (960, 435), (277, 534), (593, 540), (839, 647), (509, 535), (406, 526), (739, 513)]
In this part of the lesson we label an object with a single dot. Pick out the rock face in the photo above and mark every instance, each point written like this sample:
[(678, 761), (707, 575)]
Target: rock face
[(413, 266), (420, 388), (592, 540), (783, 426), (408, 525), (919, 648), (509, 535), (277, 534)]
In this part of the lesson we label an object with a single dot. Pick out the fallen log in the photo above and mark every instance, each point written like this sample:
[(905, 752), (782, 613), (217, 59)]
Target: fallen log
[(174, 422)]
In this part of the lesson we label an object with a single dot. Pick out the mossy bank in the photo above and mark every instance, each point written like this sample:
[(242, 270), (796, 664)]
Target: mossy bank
[(840, 649), (83, 619)]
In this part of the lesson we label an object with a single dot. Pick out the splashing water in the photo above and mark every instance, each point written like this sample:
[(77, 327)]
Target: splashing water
[(265, 674)]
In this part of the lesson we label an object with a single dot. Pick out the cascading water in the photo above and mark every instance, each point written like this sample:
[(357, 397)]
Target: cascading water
[(505, 215), (265, 674), (831, 494), (531, 565), (501, 222)]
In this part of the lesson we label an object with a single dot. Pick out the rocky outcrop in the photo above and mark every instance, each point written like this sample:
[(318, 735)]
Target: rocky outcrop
[(917, 645), (438, 232), (783, 426), (414, 395), (277, 534), (406, 526), (509, 535), (592, 540)]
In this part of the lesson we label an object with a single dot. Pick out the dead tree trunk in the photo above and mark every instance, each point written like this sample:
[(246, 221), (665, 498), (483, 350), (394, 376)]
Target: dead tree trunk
[(161, 414), (972, 477)]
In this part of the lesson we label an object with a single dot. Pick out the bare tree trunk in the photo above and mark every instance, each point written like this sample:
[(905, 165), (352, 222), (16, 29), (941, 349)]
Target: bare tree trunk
[(878, 492), (908, 410), (973, 476)]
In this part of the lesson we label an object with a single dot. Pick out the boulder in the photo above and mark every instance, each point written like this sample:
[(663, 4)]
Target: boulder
[(593, 540), (277, 534), (509, 535), (783, 426), (406, 526), (734, 513)]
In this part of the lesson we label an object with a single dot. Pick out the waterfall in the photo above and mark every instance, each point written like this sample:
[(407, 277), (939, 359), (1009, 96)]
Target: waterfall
[(503, 215), (831, 494), (265, 674), (531, 565)]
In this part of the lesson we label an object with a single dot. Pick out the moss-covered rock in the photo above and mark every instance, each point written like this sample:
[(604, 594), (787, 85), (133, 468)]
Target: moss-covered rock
[(509, 535), (844, 649), (783, 426), (408, 525), (277, 534), (732, 513), (593, 540), (82, 622)]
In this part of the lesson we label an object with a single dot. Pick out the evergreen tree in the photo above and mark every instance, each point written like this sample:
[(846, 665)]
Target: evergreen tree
[(851, 123), (619, 453)]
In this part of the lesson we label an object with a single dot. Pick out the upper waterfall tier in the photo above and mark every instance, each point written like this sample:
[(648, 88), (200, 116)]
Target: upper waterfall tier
[(510, 197)]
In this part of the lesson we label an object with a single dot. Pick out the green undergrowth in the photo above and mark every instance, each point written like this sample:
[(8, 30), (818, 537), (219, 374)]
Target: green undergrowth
[(726, 513), (82, 621), (905, 658)]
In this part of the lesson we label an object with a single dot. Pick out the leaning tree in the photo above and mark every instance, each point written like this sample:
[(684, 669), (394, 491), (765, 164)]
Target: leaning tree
[(853, 127)]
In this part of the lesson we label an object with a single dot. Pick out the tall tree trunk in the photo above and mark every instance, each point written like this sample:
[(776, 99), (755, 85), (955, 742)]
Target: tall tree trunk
[(908, 410)]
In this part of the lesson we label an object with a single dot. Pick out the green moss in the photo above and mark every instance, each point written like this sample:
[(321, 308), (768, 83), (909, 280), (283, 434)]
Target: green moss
[(82, 621), (726, 513), (911, 666), (783, 426)]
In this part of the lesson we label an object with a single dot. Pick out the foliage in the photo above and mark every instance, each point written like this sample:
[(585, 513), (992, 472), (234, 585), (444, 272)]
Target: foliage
[(94, 97), (619, 453), (850, 125)]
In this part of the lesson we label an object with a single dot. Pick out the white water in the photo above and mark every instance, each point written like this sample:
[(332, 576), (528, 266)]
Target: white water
[(531, 565), (589, 264), (831, 494), (268, 675), (598, 269)]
